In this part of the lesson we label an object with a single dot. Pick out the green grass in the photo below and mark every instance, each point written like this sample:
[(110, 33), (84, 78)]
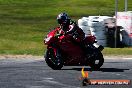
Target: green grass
[(117, 51), (24, 23)]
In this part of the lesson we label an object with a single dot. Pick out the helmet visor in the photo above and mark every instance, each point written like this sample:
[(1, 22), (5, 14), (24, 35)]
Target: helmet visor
[(63, 20)]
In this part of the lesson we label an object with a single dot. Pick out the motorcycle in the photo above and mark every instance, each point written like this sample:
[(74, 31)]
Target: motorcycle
[(63, 51)]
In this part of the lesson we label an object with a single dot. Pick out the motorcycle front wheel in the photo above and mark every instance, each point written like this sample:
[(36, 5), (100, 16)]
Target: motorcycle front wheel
[(53, 61)]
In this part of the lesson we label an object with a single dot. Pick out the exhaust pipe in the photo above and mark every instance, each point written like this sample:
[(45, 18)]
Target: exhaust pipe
[(100, 47)]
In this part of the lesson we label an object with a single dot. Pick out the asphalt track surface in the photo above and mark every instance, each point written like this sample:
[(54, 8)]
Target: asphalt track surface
[(34, 73)]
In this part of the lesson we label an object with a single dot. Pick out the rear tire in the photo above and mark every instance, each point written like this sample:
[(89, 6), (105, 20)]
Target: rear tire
[(96, 61), (56, 63)]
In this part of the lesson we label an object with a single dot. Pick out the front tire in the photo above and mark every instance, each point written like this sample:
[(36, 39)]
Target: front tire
[(53, 61)]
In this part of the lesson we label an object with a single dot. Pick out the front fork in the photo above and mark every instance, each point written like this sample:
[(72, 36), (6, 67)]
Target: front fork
[(56, 50)]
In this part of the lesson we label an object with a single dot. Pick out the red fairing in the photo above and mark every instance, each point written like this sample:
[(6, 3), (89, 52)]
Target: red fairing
[(50, 37), (65, 43), (90, 39), (71, 51)]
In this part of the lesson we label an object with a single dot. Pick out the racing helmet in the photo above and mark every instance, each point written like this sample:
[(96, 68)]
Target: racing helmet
[(64, 21)]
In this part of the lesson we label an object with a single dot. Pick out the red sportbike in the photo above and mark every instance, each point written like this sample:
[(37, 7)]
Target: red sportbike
[(62, 50)]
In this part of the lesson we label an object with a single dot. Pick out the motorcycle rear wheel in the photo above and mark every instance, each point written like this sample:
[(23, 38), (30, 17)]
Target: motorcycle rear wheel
[(56, 63), (96, 61)]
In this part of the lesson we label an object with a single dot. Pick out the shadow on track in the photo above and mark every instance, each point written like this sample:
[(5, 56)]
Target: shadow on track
[(101, 69)]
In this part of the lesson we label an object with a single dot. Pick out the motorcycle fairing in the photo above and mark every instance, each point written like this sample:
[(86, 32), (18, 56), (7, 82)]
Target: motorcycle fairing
[(72, 52)]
